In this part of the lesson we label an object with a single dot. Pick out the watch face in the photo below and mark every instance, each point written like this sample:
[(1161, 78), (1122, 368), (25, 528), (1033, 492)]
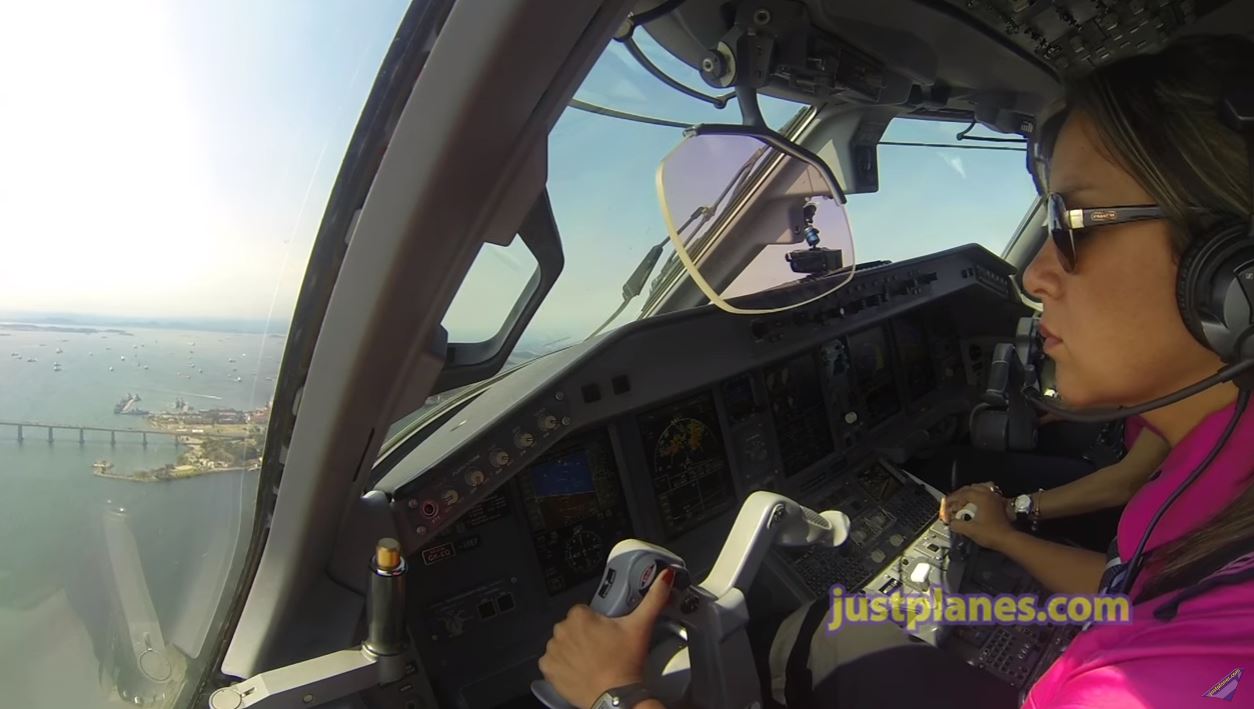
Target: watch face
[(1022, 504)]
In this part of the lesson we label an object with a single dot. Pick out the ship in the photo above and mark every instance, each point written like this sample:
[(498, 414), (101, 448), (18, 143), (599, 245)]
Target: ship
[(102, 466), (56, 366), (127, 406), (60, 351)]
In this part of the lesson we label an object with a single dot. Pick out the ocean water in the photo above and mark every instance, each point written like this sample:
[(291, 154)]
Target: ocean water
[(89, 567)]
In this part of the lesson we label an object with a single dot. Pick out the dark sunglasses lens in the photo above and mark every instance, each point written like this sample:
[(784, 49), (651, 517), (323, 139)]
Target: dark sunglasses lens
[(1060, 231)]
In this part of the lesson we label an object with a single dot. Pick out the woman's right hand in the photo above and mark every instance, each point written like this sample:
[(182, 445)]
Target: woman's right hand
[(991, 525)]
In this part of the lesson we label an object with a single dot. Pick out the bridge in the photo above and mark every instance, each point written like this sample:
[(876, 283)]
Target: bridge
[(23, 426)]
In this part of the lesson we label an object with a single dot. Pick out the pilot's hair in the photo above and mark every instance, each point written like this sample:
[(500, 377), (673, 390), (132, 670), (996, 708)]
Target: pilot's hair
[(1157, 115)]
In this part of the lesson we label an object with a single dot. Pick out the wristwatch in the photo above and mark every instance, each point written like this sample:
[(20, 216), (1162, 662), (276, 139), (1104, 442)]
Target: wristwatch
[(624, 697), (1023, 507), (1026, 508)]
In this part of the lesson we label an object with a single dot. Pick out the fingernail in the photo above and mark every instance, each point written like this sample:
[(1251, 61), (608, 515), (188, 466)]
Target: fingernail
[(667, 576)]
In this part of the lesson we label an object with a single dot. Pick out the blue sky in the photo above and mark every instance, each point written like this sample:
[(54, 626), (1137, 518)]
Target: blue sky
[(174, 160)]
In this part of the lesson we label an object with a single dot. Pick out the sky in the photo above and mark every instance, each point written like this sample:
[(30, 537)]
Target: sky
[(173, 160)]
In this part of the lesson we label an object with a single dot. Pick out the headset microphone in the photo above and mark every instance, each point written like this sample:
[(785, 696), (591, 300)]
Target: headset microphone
[(1032, 387)]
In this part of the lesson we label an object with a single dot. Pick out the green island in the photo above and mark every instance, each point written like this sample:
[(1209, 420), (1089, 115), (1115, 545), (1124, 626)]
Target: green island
[(213, 441)]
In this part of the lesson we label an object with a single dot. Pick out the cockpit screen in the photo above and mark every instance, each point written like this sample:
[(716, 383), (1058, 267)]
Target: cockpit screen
[(687, 462), (873, 374), (801, 424), (576, 510), (915, 357)]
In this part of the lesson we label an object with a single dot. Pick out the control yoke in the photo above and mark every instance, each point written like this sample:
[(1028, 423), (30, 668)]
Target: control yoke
[(715, 667)]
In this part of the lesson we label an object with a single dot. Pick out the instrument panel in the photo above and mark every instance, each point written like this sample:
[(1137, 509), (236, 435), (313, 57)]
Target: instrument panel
[(575, 507), (687, 462), (658, 430), (799, 413)]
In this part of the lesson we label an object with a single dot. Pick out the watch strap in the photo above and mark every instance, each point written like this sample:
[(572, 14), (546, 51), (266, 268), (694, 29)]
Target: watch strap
[(624, 697)]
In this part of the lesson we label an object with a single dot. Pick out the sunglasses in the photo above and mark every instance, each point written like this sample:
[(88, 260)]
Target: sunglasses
[(1069, 226)]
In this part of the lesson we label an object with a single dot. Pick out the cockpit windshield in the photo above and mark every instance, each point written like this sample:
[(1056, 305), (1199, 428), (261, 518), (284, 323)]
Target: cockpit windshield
[(165, 169), (603, 159), (935, 192)]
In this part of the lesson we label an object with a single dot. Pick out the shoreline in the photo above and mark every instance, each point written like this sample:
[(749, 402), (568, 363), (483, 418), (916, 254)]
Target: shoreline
[(150, 476)]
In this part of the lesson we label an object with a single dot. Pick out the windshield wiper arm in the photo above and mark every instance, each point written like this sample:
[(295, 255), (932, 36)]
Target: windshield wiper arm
[(702, 215), (635, 282)]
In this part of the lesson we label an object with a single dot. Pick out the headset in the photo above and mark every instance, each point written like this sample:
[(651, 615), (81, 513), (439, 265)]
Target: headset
[(1215, 296)]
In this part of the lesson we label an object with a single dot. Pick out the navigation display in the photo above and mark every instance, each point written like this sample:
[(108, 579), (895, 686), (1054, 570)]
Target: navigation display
[(873, 375), (915, 356), (687, 462), (576, 510), (801, 425)]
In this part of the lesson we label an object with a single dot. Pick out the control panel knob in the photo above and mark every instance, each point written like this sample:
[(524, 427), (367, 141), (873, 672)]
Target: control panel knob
[(450, 496), (524, 440), (851, 418), (475, 477), (546, 422), (498, 458)]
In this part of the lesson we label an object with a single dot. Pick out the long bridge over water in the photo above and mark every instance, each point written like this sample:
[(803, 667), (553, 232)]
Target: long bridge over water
[(23, 426)]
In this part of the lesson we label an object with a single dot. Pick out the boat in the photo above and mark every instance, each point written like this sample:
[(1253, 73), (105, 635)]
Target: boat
[(127, 406), (31, 359), (59, 350), (56, 366), (102, 466)]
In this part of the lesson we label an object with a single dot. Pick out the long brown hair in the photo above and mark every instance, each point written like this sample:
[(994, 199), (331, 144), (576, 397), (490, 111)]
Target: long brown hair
[(1158, 117)]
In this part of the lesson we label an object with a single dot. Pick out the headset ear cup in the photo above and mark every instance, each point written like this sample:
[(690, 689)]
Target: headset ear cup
[(1200, 289), (1186, 287)]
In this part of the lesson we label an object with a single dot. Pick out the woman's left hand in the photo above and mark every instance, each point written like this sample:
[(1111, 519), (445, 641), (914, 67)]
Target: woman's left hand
[(590, 653)]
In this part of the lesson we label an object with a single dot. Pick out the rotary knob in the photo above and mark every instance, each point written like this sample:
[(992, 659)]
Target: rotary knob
[(499, 458), (546, 422), (524, 440), (475, 477)]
